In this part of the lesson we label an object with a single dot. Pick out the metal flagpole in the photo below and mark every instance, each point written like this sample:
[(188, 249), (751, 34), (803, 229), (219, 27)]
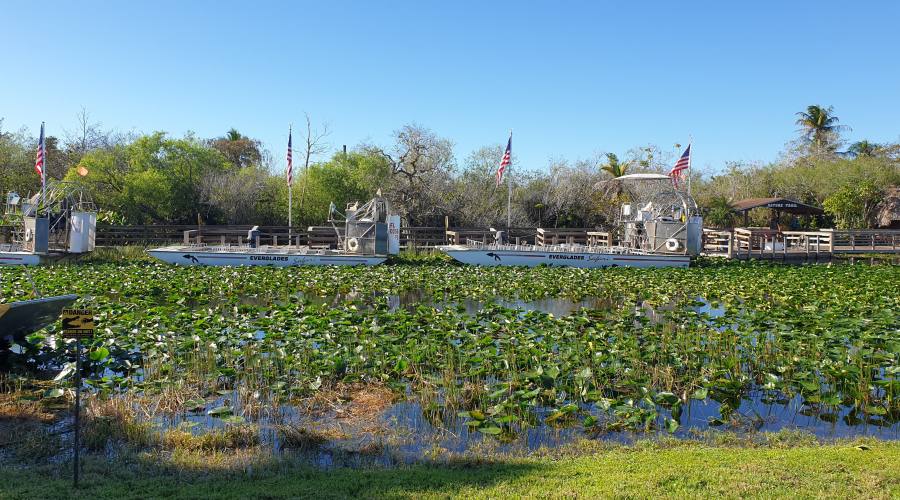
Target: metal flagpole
[(690, 162), (290, 185), (509, 184), (43, 173)]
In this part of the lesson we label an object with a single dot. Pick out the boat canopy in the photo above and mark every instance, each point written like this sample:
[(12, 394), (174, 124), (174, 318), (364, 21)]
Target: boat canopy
[(640, 177)]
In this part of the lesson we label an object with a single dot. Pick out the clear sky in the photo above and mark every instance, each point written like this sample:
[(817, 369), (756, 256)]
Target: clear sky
[(570, 78)]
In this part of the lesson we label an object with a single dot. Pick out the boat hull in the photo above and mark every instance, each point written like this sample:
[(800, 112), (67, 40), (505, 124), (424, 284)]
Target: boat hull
[(19, 259), (563, 259), (194, 258)]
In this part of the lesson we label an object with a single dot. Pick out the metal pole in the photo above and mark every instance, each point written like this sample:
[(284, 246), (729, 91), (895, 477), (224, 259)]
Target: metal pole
[(509, 184), (290, 186), (690, 163), (43, 174), (76, 444)]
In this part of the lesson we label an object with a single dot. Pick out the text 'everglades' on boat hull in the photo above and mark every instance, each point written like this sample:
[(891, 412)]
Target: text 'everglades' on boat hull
[(660, 226), (263, 256), (369, 235)]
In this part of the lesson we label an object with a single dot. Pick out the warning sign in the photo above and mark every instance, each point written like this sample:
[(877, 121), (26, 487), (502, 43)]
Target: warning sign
[(77, 323)]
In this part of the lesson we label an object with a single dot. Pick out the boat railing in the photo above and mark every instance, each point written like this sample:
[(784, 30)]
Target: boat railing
[(10, 247), (562, 247), (268, 250)]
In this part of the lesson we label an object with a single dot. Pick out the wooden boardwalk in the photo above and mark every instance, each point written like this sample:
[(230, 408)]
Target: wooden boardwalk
[(772, 244), (740, 243)]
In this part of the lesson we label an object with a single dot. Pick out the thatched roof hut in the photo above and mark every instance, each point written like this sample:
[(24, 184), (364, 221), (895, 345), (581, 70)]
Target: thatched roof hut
[(888, 214)]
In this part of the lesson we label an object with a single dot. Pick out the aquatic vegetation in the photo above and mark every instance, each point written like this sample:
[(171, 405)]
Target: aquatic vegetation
[(655, 350)]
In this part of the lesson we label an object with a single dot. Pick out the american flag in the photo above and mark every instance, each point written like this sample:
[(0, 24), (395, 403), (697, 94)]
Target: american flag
[(505, 161), (290, 161), (39, 159), (681, 165)]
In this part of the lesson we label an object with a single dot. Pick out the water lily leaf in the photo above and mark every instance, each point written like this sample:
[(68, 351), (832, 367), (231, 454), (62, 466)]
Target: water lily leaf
[(666, 398), (99, 354), (54, 393), (492, 430), (220, 411), (67, 370), (671, 425)]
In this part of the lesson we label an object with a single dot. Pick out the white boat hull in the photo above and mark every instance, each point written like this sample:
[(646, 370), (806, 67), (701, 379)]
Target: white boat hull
[(19, 259), (531, 258), (184, 257)]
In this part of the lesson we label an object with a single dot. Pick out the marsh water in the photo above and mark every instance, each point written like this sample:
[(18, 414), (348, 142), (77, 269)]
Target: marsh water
[(417, 428), (255, 344)]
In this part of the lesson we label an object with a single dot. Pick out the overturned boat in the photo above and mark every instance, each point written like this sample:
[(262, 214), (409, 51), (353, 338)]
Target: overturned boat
[(369, 234), (18, 319), (659, 227)]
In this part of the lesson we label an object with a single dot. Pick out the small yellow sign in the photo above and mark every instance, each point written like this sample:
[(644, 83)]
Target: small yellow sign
[(77, 323)]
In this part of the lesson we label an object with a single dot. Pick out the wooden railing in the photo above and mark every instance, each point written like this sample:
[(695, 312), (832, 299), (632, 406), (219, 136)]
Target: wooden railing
[(317, 236), (866, 240), (741, 242), (555, 236), (717, 243)]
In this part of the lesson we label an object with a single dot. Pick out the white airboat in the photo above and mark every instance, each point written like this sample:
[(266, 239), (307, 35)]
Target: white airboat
[(368, 236), (62, 221), (659, 227)]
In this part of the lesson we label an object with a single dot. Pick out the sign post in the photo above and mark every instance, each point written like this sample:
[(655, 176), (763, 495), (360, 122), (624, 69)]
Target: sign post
[(77, 324)]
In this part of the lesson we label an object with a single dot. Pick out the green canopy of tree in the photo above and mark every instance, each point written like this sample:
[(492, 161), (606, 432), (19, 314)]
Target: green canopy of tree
[(153, 179)]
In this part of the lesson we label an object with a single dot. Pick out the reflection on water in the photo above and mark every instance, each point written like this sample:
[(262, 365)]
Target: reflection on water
[(407, 432)]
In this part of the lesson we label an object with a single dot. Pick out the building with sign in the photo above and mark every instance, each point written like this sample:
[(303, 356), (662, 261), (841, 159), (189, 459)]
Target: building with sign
[(778, 206)]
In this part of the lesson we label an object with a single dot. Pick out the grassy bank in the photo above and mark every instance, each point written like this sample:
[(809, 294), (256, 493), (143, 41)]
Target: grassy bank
[(869, 469)]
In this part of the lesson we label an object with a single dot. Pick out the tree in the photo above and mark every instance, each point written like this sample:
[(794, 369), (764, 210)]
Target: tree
[(315, 145), (152, 179), (719, 213), (820, 128), (240, 150), (614, 166), (853, 206), (863, 148), (476, 200), (422, 165), (345, 178)]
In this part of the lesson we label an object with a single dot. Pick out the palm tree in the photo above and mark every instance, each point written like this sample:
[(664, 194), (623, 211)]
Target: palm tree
[(863, 148), (233, 135), (819, 126), (614, 166)]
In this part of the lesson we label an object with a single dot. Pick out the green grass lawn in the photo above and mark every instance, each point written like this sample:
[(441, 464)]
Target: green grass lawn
[(834, 471)]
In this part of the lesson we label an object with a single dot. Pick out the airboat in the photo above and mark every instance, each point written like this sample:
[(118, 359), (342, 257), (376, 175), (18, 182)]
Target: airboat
[(63, 221), (366, 235), (660, 226)]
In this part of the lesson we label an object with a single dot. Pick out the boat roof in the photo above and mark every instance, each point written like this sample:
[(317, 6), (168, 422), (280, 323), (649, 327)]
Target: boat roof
[(781, 204), (636, 177)]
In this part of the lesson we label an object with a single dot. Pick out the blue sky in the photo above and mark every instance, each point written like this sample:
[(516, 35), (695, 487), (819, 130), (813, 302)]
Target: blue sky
[(571, 78)]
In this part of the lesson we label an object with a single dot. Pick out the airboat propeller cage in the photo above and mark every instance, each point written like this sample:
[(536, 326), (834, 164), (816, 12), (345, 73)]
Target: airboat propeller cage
[(660, 218), (371, 229), (64, 220)]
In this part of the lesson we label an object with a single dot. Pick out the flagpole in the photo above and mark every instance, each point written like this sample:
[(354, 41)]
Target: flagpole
[(690, 163), (37, 213), (290, 189), (509, 184)]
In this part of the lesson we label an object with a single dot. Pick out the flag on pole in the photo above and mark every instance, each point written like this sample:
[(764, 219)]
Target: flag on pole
[(505, 161), (681, 165), (290, 161), (39, 159)]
